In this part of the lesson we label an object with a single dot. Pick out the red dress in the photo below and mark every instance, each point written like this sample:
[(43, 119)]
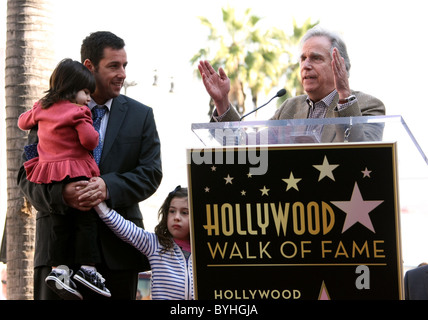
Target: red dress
[(66, 139)]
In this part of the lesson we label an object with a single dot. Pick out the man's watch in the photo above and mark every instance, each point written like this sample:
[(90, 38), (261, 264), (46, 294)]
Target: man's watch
[(348, 99)]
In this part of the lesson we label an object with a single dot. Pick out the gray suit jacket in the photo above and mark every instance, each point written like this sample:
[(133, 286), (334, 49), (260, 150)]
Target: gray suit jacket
[(298, 108)]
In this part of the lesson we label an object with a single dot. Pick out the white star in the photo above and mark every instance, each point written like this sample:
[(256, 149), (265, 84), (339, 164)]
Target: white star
[(249, 175), (357, 210), (243, 193), (291, 182), (213, 168), (366, 173), (207, 189), (228, 179), (326, 169), (264, 191)]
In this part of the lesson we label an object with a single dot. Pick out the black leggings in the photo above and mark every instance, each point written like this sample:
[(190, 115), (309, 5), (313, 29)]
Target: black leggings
[(74, 238)]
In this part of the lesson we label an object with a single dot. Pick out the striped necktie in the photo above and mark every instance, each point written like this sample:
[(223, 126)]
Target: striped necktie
[(98, 114)]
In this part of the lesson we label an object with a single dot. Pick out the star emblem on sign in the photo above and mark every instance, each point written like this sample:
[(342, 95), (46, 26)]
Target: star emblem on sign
[(291, 182), (357, 210), (228, 179), (326, 169), (366, 173), (265, 191)]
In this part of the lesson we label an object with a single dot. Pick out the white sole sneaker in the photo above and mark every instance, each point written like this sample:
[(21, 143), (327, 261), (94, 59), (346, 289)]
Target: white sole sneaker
[(86, 283), (61, 289)]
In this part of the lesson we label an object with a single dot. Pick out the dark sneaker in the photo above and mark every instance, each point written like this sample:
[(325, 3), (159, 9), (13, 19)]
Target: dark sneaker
[(93, 280), (60, 282)]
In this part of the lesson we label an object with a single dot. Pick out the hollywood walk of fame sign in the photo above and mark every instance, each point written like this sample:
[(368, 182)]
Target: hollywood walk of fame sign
[(321, 223)]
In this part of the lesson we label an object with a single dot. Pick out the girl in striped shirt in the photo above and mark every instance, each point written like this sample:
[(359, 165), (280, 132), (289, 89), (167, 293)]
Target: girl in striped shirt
[(168, 248)]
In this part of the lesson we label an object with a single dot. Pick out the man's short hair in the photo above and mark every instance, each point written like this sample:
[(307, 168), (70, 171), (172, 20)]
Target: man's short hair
[(93, 46)]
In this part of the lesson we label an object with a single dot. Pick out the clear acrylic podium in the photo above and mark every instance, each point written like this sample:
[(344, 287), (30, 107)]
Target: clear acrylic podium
[(411, 162)]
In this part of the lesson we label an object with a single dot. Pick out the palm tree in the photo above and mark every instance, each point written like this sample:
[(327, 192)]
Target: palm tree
[(28, 65), (253, 59)]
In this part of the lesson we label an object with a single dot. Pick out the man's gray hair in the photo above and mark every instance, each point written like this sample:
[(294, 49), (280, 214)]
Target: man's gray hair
[(335, 39)]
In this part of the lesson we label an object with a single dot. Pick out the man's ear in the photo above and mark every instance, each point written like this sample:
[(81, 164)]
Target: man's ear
[(88, 64)]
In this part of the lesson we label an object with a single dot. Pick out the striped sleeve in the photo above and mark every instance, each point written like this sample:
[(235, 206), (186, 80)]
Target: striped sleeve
[(126, 230)]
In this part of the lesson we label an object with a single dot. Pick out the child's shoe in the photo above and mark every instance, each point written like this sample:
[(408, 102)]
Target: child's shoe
[(93, 280), (59, 280)]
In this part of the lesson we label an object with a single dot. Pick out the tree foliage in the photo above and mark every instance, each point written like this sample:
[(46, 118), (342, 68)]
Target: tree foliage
[(255, 58)]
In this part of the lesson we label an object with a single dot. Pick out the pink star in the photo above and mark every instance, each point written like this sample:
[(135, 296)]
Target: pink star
[(366, 173), (357, 210), (324, 293)]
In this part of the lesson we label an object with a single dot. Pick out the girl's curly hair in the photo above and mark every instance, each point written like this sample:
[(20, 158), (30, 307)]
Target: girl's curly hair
[(161, 230)]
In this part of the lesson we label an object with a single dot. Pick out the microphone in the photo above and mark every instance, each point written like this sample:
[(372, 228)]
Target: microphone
[(280, 93)]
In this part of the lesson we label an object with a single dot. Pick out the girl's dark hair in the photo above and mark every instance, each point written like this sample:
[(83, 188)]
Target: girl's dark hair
[(161, 230), (68, 78)]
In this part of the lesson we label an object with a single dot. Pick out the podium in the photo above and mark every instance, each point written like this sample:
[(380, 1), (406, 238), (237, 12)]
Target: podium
[(305, 209)]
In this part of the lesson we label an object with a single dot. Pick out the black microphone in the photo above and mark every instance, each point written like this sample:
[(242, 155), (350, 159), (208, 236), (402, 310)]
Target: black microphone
[(280, 93)]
